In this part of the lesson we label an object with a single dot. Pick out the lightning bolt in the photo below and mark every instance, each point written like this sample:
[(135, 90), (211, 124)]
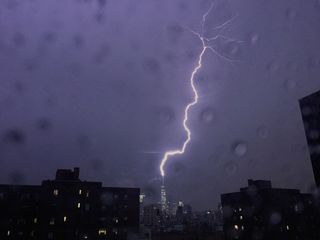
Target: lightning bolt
[(206, 43)]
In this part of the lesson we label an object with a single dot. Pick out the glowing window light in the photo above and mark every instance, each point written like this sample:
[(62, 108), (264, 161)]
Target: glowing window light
[(102, 231)]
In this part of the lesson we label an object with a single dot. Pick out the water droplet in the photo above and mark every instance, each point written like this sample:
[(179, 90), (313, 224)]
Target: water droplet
[(291, 14), (230, 168), (19, 39), (15, 136), (317, 4), (240, 148), (292, 66), (275, 218), (49, 37), (313, 62), (152, 65), (272, 66), (290, 84), (207, 115), (102, 54), (254, 38), (43, 124), (262, 132), (97, 164), (78, 40), (17, 177), (166, 114)]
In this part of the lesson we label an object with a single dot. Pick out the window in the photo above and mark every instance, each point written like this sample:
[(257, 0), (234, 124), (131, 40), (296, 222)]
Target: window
[(51, 221), (35, 220), (55, 192), (78, 205), (8, 233), (50, 235), (87, 194), (80, 191), (64, 218), (102, 231)]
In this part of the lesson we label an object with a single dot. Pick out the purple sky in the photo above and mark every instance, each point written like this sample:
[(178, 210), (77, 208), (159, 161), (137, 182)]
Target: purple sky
[(102, 85)]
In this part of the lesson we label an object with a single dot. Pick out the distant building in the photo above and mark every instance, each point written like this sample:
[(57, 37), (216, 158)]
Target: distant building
[(163, 200), (183, 213), (310, 109), (68, 208), (152, 216), (262, 212)]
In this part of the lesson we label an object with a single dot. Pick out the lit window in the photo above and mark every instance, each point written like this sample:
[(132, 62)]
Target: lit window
[(56, 192), (240, 209), (102, 231), (242, 227), (288, 228), (35, 220), (241, 217), (51, 221), (64, 218), (87, 194), (80, 191), (8, 233), (79, 205), (236, 227)]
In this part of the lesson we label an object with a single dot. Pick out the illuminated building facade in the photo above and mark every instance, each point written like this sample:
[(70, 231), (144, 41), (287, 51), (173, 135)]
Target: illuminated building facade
[(310, 110), (262, 212), (68, 208), (164, 205)]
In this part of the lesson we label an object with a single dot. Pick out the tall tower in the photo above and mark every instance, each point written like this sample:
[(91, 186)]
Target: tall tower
[(310, 109), (164, 205)]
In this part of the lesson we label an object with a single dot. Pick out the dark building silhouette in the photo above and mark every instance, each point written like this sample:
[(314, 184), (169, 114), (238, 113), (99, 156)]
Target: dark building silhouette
[(260, 212), (68, 208), (310, 109), (152, 216)]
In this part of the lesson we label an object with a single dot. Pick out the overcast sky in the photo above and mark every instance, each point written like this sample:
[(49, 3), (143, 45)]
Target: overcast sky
[(103, 84)]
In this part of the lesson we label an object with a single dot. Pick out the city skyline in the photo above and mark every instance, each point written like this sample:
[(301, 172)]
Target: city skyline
[(103, 84)]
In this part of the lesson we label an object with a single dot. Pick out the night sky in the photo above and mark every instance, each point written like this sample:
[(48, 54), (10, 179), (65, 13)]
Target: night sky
[(103, 84)]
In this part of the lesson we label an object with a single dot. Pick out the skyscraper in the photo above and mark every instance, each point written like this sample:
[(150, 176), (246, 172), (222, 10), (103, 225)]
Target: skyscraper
[(164, 206), (310, 109)]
